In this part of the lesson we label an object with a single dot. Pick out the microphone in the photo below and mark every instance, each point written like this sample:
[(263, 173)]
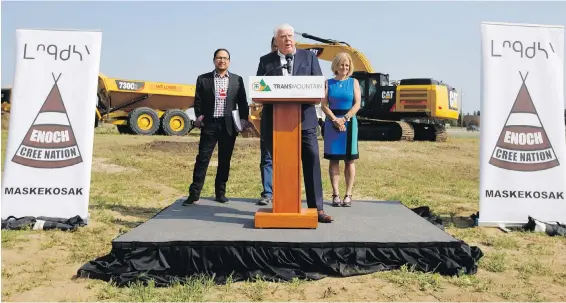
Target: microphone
[(289, 58), (275, 68)]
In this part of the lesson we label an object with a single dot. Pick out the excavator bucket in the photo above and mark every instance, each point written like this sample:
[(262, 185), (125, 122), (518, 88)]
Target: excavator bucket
[(251, 132), (254, 119)]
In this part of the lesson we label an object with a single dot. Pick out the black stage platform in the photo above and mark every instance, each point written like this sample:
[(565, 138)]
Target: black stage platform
[(219, 239)]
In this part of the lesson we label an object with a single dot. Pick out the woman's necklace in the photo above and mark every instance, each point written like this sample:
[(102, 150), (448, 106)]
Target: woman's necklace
[(340, 82)]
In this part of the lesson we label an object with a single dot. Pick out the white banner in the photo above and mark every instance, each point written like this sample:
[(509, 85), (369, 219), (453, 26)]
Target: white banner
[(48, 160), (523, 148)]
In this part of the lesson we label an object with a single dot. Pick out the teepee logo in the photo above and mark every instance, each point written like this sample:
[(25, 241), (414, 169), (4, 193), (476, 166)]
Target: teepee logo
[(50, 141), (261, 86), (523, 144)]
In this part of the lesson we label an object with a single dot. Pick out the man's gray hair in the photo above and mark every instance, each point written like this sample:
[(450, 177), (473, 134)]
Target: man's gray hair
[(283, 27)]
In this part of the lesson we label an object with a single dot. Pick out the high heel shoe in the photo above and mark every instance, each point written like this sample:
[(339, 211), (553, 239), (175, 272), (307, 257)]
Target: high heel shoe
[(347, 203), (335, 201)]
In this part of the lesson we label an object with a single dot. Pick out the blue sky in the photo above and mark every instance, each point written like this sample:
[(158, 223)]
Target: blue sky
[(174, 41)]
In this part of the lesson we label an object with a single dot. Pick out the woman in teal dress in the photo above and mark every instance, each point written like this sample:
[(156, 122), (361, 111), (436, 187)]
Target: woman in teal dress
[(341, 126)]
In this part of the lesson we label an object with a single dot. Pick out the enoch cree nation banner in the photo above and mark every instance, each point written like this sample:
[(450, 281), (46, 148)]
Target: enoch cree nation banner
[(50, 141), (523, 148)]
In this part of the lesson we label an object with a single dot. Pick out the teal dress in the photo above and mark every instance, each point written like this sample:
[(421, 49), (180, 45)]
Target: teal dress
[(340, 145)]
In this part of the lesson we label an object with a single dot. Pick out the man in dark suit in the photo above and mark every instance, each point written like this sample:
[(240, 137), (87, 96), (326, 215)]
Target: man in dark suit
[(304, 63), (266, 163), (216, 96)]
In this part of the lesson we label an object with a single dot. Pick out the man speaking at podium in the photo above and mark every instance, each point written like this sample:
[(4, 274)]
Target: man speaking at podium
[(290, 61)]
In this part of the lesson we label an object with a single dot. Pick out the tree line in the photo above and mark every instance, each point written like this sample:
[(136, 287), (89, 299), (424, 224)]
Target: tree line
[(474, 119)]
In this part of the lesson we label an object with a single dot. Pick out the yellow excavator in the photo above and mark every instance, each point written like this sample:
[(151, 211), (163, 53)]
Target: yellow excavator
[(414, 109)]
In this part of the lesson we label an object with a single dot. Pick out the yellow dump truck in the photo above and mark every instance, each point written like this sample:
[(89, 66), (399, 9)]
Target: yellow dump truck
[(139, 107), (145, 108)]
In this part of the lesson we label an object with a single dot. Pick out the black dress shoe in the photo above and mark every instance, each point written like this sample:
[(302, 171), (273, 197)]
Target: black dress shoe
[(221, 199), (190, 200)]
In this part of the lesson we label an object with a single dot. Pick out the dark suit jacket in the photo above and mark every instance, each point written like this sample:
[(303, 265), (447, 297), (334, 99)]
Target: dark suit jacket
[(305, 63), (205, 96)]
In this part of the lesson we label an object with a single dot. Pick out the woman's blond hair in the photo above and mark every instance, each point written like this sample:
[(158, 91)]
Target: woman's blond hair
[(336, 63)]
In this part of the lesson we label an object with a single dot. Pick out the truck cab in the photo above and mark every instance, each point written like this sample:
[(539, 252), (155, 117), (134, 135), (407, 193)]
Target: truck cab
[(378, 95)]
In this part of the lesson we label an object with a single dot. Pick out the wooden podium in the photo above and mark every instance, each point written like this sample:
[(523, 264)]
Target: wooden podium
[(286, 94)]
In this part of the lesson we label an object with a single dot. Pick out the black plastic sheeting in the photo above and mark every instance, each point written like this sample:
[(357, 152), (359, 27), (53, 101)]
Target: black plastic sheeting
[(551, 229), (167, 263), (42, 223)]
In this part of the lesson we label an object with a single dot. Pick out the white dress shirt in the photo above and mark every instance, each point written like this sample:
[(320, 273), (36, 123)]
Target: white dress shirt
[(283, 61)]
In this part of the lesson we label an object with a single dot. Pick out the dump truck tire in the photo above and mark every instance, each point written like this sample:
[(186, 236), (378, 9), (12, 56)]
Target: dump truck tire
[(143, 121), (175, 122)]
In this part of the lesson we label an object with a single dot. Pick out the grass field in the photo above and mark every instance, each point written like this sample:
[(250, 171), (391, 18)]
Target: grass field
[(134, 177)]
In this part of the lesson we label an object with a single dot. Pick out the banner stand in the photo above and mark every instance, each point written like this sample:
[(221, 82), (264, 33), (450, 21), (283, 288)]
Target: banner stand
[(47, 169), (523, 148)]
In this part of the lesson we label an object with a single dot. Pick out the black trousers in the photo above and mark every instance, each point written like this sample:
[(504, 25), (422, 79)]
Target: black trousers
[(213, 132)]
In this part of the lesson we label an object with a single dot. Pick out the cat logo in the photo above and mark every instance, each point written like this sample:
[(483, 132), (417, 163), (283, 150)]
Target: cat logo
[(386, 94), (317, 51)]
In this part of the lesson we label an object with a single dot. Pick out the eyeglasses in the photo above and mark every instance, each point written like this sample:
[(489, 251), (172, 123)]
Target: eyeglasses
[(222, 58)]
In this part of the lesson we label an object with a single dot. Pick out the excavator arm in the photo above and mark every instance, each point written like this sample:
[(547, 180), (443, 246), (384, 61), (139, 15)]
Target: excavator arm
[(328, 49)]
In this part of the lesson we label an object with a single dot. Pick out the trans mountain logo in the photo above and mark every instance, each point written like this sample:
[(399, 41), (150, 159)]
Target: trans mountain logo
[(523, 144), (50, 141), (261, 86)]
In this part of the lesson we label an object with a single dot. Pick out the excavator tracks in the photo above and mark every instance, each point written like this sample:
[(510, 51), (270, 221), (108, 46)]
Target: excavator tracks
[(430, 132), (374, 129), (386, 130), (407, 131), (440, 134)]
